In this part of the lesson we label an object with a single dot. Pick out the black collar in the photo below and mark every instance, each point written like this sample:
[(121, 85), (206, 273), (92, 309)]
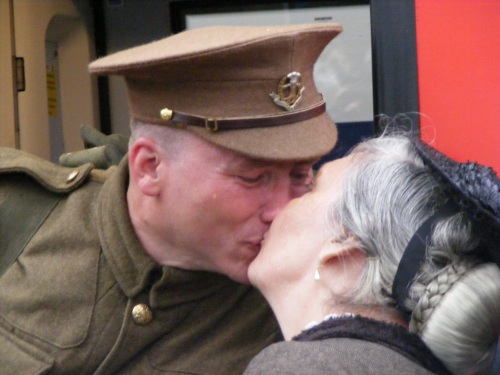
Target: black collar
[(391, 335)]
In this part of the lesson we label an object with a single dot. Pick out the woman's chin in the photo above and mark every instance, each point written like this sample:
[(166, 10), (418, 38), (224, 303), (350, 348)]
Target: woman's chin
[(254, 273)]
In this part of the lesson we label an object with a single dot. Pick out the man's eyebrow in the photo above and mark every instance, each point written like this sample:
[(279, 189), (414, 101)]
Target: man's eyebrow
[(244, 163)]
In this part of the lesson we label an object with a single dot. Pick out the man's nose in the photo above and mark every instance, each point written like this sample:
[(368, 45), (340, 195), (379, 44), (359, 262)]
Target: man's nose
[(277, 198)]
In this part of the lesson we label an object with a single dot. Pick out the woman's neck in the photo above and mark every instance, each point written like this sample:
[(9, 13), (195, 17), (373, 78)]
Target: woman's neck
[(307, 315), (295, 309)]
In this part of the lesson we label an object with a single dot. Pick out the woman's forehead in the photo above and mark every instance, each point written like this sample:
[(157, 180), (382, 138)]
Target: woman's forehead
[(333, 170)]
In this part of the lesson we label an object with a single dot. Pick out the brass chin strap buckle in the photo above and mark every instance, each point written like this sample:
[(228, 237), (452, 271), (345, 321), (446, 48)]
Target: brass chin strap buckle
[(211, 124)]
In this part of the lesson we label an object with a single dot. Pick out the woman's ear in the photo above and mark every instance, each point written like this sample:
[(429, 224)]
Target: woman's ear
[(145, 158), (341, 263)]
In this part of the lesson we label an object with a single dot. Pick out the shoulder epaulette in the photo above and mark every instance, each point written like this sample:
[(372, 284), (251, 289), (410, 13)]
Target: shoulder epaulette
[(51, 176)]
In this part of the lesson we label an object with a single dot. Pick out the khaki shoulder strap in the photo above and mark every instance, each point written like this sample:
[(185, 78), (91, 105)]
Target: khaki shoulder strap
[(21, 214)]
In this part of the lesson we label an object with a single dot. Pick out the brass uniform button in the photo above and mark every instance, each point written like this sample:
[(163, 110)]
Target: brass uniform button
[(71, 177), (166, 114), (142, 314)]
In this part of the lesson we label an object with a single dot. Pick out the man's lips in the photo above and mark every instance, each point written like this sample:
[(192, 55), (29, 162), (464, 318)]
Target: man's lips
[(255, 244)]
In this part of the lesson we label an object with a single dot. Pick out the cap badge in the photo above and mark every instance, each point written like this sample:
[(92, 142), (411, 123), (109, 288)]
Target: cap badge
[(289, 91)]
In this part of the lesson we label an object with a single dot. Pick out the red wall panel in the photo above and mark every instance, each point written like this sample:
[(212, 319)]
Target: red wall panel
[(458, 54)]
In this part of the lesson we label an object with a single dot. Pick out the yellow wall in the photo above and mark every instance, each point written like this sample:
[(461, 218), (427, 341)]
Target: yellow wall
[(7, 120), (78, 89), (31, 19)]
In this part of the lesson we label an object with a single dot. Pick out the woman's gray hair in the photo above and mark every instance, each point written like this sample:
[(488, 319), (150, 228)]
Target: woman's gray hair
[(386, 194)]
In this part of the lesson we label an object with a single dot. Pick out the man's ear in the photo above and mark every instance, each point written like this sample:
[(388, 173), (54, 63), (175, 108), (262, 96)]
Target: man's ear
[(145, 158)]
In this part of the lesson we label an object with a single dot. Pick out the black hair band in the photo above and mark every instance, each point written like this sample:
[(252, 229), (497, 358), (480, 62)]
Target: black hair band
[(414, 255)]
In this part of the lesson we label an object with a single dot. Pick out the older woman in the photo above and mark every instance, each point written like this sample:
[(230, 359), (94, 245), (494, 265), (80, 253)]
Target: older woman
[(386, 267)]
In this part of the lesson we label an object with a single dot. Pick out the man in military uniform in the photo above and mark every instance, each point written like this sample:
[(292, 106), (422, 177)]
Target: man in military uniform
[(141, 268)]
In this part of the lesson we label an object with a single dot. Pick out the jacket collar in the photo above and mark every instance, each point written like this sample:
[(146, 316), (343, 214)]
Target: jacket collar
[(391, 335)]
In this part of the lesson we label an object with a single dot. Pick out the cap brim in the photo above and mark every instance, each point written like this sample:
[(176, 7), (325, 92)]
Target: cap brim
[(306, 140)]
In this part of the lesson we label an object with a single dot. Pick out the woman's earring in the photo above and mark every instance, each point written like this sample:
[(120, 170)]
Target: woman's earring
[(317, 277)]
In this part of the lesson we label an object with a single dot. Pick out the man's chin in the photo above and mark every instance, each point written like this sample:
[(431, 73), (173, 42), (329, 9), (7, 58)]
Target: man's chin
[(240, 275), (241, 279)]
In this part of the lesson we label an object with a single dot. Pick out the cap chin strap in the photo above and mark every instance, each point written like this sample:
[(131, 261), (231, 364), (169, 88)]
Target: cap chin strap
[(415, 253), (215, 124)]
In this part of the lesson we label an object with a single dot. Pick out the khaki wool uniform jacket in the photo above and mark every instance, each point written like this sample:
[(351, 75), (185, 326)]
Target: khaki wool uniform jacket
[(66, 303)]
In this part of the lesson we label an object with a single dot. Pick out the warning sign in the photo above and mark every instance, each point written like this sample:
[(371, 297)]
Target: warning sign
[(52, 93)]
